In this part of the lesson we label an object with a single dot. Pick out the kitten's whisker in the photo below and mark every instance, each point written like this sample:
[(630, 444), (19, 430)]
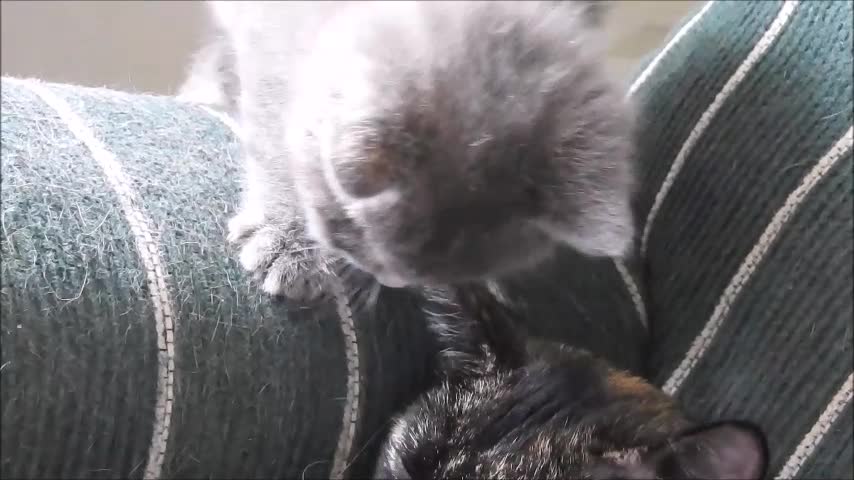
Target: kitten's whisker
[(302, 250), (365, 445)]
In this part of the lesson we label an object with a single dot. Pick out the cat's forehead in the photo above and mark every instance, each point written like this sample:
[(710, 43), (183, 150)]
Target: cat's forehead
[(543, 420), (453, 142)]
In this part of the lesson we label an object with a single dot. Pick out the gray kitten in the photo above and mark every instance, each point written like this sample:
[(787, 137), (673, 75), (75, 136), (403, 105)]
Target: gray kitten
[(512, 409), (422, 142)]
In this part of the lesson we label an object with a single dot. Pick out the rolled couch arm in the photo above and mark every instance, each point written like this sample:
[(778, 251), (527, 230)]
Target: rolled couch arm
[(134, 345)]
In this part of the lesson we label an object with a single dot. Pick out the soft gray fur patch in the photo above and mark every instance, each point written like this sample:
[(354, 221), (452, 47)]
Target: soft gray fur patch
[(423, 142)]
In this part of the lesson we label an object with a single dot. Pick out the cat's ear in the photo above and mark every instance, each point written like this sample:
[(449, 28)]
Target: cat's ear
[(727, 451), (603, 229), (587, 195), (225, 14), (594, 11)]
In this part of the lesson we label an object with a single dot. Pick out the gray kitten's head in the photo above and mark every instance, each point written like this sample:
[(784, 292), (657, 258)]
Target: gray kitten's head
[(453, 140), (501, 413)]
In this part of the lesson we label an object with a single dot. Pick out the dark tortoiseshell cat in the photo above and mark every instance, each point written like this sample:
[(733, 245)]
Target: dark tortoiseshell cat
[(502, 412)]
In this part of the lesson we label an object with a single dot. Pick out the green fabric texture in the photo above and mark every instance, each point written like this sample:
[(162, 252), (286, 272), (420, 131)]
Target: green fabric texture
[(783, 347), (262, 389), (259, 388)]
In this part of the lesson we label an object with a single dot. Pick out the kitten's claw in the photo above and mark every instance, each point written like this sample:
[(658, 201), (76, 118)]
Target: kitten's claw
[(282, 260), (243, 225), (260, 248), (299, 276)]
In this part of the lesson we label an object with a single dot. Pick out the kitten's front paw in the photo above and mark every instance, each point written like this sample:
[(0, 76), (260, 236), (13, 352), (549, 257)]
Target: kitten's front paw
[(283, 260), (244, 224)]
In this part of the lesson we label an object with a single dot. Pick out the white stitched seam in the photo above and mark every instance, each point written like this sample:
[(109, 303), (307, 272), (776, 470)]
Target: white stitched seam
[(755, 55), (753, 259), (144, 238), (812, 439), (351, 403), (622, 269)]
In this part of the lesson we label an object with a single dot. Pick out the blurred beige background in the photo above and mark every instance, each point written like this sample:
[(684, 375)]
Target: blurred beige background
[(145, 45)]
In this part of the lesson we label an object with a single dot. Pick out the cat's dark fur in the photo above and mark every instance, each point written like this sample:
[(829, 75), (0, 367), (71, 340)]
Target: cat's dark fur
[(421, 141), (505, 412)]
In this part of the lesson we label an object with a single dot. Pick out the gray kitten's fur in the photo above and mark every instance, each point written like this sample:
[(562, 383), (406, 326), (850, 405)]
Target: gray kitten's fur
[(554, 412), (424, 142)]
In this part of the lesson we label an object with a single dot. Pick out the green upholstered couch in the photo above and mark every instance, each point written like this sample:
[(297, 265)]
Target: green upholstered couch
[(134, 346)]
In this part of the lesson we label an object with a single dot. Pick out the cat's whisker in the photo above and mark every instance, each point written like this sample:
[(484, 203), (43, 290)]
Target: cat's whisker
[(367, 443), (303, 250)]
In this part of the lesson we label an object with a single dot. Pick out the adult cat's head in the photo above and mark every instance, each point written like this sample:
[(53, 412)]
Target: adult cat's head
[(444, 141), (567, 414)]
